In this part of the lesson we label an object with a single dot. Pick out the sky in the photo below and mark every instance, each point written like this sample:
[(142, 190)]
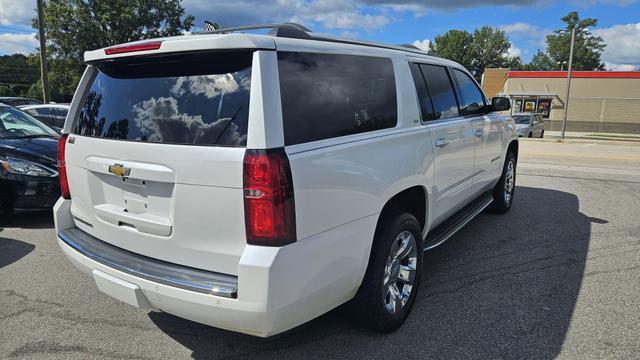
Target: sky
[(417, 22)]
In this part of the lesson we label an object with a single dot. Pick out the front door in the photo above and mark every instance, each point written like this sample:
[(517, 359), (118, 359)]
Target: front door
[(487, 132)]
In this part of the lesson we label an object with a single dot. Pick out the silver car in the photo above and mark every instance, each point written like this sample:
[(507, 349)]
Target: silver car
[(529, 125)]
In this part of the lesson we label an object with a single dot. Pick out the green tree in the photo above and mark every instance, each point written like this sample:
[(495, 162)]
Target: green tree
[(485, 47), (539, 62), (75, 26), (587, 49), (17, 74), (490, 48), (454, 45), (64, 75)]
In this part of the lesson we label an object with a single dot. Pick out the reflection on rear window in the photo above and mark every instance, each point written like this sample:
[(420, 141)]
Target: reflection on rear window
[(199, 99)]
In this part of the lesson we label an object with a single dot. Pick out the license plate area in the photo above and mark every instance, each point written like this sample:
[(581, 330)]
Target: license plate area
[(121, 290)]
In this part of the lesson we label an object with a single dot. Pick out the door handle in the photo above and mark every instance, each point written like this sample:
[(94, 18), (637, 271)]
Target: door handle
[(441, 143)]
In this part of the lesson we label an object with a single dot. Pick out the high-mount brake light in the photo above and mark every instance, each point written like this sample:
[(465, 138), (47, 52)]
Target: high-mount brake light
[(269, 206), (142, 46), (62, 167)]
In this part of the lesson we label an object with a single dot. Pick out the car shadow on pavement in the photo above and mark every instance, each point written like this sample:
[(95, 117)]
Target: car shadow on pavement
[(505, 286), (13, 250), (40, 219)]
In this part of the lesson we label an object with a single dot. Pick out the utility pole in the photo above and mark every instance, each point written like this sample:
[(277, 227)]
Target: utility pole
[(43, 55), (566, 99)]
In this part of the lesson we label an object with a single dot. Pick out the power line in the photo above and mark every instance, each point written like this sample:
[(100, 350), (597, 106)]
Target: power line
[(12, 85), (34, 68)]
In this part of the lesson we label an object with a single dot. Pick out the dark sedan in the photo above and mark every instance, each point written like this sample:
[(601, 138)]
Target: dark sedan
[(28, 156)]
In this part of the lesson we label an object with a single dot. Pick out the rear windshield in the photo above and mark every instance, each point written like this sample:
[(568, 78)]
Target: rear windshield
[(195, 99)]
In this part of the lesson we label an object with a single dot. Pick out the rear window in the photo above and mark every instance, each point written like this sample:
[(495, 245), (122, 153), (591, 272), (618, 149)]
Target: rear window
[(327, 95), (194, 99)]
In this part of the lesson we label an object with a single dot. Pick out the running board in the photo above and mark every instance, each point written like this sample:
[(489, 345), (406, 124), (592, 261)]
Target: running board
[(457, 221)]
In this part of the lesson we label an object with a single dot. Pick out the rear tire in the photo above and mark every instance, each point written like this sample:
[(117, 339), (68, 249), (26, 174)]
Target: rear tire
[(530, 135), (542, 134), (505, 189), (390, 285)]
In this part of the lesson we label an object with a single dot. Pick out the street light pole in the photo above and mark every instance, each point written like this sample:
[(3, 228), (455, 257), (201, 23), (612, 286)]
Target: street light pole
[(566, 99), (43, 55)]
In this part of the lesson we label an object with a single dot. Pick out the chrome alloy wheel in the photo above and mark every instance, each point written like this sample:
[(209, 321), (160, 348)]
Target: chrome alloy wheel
[(509, 181), (400, 272)]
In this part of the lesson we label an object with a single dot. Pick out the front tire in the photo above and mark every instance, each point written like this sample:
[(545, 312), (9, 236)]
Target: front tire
[(505, 189), (542, 134), (390, 285)]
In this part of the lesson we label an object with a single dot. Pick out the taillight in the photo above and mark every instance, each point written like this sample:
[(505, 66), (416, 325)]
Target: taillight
[(62, 167), (269, 210), (142, 46)]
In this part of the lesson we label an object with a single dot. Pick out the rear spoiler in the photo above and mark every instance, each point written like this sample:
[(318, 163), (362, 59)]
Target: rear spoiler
[(182, 44)]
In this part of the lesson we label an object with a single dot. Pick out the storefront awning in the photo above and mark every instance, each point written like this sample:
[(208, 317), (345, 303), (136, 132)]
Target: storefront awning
[(530, 94)]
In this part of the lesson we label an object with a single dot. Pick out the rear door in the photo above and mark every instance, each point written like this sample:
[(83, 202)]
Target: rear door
[(154, 158), (452, 139)]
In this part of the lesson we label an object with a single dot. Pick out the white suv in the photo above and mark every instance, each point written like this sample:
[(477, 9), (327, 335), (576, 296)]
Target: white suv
[(255, 182)]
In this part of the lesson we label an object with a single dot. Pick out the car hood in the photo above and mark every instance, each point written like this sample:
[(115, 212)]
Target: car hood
[(522, 126), (42, 150)]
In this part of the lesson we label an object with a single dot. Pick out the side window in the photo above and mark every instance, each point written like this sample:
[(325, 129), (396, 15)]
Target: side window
[(471, 96), (42, 111), (33, 112), (441, 91), (326, 95), (60, 116), (424, 99)]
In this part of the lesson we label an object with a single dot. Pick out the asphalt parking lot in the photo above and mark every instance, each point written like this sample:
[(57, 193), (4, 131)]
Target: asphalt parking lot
[(558, 276)]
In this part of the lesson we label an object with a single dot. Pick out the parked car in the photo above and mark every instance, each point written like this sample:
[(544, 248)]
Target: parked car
[(28, 170), (17, 101), (50, 114), (529, 125), (255, 182)]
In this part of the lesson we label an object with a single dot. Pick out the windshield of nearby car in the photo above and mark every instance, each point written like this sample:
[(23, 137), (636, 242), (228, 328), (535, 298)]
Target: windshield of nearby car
[(16, 124), (522, 119)]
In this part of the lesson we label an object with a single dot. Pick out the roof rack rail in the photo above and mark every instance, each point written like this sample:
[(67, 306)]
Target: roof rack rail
[(289, 29), (410, 46), (297, 31)]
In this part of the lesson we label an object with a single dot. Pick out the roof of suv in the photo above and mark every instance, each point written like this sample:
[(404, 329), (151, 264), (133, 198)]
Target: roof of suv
[(232, 38)]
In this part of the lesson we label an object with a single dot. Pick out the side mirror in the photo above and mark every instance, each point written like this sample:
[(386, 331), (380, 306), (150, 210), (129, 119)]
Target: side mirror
[(500, 104)]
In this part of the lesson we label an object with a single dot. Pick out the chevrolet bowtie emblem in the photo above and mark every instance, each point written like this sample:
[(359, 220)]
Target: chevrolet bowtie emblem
[(119, 170)]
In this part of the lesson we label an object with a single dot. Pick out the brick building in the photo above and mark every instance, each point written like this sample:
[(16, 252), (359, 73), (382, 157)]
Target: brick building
[(600, 101)]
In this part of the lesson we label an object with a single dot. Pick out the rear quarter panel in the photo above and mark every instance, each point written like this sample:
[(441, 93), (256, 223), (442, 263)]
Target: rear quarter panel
[(344, 179)]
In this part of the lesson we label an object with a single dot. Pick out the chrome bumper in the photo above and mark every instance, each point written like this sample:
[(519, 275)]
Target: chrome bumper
[(163, 272)]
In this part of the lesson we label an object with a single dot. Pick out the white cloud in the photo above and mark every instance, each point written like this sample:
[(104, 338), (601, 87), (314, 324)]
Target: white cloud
[(514, 51), (18, 43), (524, 29), (332, 14), (16, 11), (422, 44), (161, 120), (621, 67), (209, 85), (623, 46)]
